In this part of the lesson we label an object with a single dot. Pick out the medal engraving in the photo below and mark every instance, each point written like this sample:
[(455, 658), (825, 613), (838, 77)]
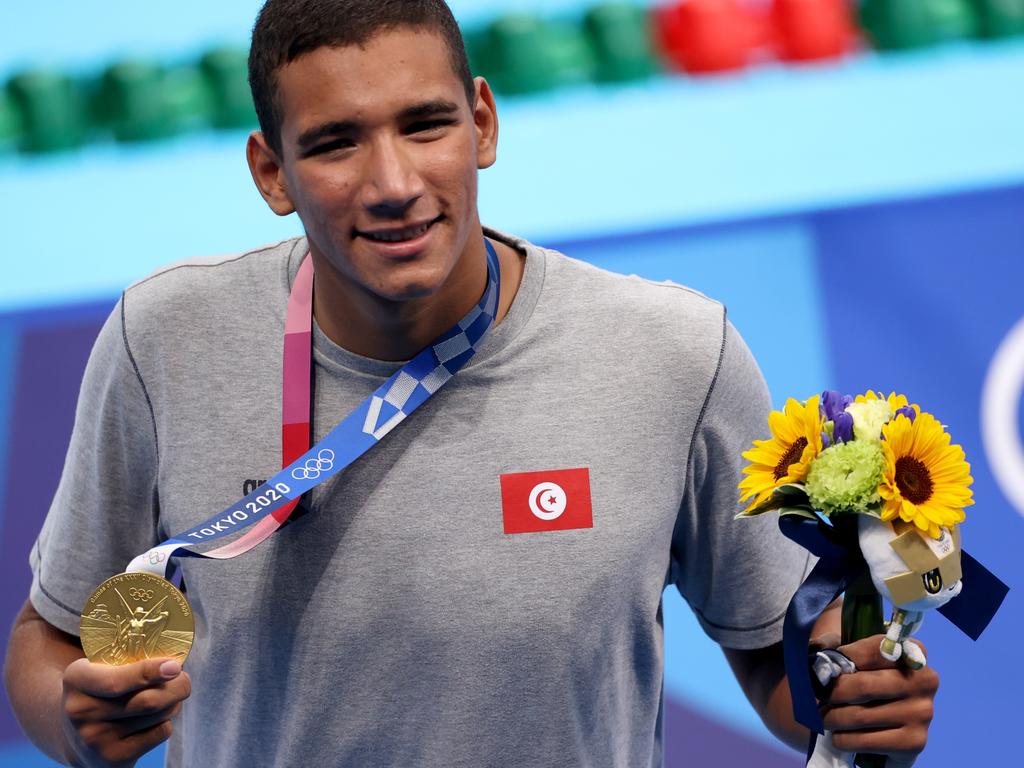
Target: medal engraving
[(136, 616)]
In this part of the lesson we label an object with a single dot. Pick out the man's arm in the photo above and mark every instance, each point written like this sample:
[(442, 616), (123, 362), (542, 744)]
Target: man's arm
[(882, 708), (762, 676), (37, 655), (86, 714)]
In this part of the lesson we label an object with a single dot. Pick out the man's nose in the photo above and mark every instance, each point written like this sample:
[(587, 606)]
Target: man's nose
[(392, 182)]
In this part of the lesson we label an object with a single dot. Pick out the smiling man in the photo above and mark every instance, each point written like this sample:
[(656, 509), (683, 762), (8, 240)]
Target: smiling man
[(481, 588), (382, 169)]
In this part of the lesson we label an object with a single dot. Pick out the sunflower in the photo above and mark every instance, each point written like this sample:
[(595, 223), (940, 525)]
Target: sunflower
[(787, 456), (927, 480), (895, 401)]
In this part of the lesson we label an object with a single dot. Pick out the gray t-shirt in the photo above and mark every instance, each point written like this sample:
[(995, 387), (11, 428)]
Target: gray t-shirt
[(395, 622)]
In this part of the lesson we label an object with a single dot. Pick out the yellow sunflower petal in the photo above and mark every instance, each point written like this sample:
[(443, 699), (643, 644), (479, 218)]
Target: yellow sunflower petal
[(868, 397), (782, 426), (897, 401), (926, 479), (891, 510), (786, 456)]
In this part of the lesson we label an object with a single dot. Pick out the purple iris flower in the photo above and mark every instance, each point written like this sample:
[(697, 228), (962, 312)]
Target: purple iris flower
[(833, 403), (907, 411), (842, 427), (833, 408)]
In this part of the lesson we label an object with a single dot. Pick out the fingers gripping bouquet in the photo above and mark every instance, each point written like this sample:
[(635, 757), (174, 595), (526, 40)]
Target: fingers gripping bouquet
[(874, 487)]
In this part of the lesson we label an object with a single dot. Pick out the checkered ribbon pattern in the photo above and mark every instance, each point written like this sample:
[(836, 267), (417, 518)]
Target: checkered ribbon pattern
[(264, 510)]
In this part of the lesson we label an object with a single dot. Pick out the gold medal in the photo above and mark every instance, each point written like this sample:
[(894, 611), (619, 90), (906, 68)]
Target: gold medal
[(136, 616)]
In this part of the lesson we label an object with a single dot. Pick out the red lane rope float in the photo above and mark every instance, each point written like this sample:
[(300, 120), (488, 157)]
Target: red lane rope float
[(810, 30), (705, 36)]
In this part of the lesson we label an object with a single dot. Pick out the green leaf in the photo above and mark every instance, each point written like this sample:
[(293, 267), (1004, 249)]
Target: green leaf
[(801, 511), (792, 489), (750, 512), (788, 496)]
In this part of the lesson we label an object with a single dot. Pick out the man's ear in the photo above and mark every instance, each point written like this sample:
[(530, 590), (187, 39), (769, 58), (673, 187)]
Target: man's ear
[(485, 118), (266, 170)]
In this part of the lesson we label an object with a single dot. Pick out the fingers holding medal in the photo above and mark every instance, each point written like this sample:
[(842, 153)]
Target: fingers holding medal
[(136, 616)]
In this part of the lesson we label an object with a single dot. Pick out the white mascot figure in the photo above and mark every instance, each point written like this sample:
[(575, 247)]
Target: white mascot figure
[(915, 573)]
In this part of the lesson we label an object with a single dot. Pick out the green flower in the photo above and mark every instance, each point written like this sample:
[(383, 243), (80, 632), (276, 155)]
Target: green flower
[(845, 477), (868, 418)]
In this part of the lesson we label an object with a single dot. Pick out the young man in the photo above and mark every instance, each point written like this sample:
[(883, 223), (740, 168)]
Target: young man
[(396, 622)]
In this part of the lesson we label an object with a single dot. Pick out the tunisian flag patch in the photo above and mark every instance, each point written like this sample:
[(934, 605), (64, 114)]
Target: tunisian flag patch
[(553, 500)]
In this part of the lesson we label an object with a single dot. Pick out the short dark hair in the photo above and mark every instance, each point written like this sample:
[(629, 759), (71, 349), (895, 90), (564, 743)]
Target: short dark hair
[(287, 29)]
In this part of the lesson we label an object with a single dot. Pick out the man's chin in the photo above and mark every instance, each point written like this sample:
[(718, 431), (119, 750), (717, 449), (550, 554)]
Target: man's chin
[(405, 295), (400, 292)]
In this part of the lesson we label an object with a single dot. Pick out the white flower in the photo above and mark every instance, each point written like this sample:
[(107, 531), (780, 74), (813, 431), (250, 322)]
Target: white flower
[(868, 418)]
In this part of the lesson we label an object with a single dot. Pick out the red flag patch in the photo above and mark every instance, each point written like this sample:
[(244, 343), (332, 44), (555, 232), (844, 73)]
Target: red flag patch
[(553, 500)]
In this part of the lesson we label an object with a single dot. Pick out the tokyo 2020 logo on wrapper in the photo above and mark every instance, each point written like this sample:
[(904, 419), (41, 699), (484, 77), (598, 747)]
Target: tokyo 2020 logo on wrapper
[(1000, 416)]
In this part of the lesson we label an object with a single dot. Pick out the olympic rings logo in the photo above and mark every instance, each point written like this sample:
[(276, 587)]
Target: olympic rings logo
[(313, 468), (156, 557), (140, 594), (1000, 416)]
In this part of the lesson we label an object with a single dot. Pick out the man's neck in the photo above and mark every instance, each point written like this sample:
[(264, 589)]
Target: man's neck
[(382, 330)]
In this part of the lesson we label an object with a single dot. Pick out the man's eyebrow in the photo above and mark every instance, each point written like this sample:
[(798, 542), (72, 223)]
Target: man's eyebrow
[(333, 128), (427, 108), (340, 127)]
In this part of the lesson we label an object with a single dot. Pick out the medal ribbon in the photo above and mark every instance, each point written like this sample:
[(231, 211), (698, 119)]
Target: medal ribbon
[(266, 508)]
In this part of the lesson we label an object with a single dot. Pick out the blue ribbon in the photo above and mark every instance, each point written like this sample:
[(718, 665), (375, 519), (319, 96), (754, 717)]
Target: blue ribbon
[(357, 433), (839, 565), (981, 594)]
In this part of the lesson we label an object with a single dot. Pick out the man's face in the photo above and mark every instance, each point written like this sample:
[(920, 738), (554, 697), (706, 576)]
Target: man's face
[(380, 152)]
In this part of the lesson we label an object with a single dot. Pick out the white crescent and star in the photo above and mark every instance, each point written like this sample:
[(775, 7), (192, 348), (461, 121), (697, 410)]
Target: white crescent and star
[(547, 501)]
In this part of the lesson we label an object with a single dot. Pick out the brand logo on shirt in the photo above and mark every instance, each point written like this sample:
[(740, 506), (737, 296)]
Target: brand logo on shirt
[(552, 500), (251, 485)]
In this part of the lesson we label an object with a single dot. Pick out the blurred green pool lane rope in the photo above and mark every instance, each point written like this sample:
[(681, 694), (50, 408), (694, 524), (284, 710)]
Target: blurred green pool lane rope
[(143, 100)]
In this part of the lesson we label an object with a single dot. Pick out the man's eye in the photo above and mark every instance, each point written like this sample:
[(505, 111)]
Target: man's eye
[(428, 125), (330, 146)]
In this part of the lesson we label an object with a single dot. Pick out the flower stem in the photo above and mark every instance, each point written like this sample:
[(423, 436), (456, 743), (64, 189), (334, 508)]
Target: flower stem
[(862, 617)]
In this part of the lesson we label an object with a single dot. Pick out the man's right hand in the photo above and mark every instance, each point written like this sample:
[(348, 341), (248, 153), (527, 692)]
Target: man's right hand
[(111, 716)]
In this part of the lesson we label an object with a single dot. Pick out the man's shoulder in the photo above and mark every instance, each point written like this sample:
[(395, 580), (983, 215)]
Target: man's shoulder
[(632, 286), (220, 278), (210, 305), (633, 303)]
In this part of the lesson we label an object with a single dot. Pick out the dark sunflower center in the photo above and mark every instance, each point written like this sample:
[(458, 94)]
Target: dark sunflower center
[(913, 480), (791, 456)]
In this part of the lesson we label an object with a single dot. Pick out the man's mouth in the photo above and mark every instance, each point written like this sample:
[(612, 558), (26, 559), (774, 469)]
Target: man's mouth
[(398, 234)]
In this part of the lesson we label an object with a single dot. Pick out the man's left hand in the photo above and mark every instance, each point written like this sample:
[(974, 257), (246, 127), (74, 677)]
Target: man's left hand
[(883, 708)]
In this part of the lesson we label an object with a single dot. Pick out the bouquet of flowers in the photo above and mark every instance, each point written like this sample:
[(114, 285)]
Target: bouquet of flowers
[(873, 486), (870, 455)]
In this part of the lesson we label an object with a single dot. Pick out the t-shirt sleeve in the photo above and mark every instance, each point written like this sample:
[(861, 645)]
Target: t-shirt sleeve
[(737, 575), (105, 510)]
